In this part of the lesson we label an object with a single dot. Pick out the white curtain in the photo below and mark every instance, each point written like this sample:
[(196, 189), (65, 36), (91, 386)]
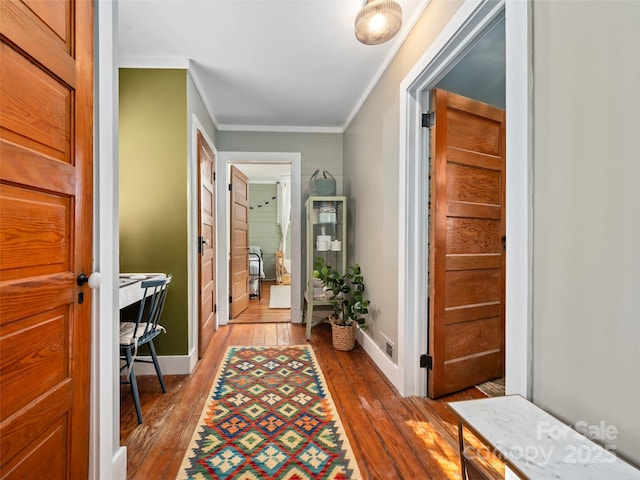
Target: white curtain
[(284, 210)]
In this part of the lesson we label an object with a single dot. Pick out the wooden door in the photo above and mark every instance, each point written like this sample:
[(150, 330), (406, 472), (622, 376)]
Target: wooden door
[(206, 238), (467, 257), (239, 268), (46, 174)]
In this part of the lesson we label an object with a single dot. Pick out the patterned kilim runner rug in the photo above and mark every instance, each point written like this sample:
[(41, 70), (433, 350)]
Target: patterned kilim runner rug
[(269, 416)]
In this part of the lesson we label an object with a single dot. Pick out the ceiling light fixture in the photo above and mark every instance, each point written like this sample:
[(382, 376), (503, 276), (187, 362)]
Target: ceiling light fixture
[(378, 21)]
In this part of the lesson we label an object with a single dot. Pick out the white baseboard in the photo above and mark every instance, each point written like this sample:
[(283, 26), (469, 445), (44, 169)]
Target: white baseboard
[(169, 364), (119, 462), (384, 363)]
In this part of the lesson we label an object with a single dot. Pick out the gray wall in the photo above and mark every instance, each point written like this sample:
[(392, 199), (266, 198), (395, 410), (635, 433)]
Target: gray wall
[(196, 106), (371, 146), (318, 150), (586, 324)]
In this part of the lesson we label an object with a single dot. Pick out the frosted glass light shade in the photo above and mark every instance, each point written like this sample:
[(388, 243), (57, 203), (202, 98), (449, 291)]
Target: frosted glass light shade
[(378, 21)]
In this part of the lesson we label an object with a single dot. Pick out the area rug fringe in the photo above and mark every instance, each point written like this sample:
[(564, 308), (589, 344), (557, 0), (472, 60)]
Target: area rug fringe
[(269, 415)]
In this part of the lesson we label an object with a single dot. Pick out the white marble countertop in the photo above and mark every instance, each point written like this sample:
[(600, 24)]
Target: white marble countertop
[(130, 290), (536, 444)]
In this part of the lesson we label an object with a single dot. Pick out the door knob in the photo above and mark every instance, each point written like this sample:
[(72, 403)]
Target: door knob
[(201, 244), (94, 280)]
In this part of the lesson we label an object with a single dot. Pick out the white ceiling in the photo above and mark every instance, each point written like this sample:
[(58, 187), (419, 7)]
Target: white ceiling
[(264, 173), (263, 64)]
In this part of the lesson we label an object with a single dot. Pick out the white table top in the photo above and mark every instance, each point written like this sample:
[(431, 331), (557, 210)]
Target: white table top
[(130, 290), (536, 444)]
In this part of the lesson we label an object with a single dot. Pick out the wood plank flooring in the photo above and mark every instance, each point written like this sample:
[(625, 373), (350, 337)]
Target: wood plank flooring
[(392, 437), (258, 310)]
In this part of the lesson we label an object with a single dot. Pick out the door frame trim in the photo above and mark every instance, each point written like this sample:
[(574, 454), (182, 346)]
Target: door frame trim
[(467, 25), (223, 159), (193, 285)]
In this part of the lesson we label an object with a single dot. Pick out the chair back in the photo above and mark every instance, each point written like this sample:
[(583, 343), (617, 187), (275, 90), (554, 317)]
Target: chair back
[(152, 304)]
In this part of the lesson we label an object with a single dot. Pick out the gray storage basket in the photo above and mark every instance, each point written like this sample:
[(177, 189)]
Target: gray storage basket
[(322, 186)]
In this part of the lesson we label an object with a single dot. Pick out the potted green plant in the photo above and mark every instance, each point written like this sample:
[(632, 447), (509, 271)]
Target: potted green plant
[(347, 299)]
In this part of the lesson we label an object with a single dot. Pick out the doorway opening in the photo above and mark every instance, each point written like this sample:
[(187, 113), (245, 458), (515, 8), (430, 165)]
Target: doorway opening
[(269, 243), (274, 161), (468, 26), (465, 160)]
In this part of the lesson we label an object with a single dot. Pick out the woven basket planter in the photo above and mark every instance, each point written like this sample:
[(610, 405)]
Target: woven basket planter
[(344, 338)]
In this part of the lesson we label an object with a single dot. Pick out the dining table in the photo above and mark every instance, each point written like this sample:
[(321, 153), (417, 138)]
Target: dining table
[(130, 287)]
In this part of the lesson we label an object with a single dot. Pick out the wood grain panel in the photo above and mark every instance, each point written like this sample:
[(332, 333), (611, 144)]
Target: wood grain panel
[(35, 228), (473, 159), (474, 133), (46, 142), (45, 458), (242, 214), (473, 107), (36, 419), (19, 299), (241, 239), (241, 191), (208, 233), (23, 28), (473, 235), (54, 14), (208, 302), (473, 370), (467, 313), (239, 264), (240, 288), (206, 203), (474, 210), (471, 287), (473, 262), (473, 184), (472, 338), (34, 355), (27, 167), (25, 87), (207, 272)]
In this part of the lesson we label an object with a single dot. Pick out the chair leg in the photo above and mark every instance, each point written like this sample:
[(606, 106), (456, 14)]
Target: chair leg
[(152, 349), (134, 385)]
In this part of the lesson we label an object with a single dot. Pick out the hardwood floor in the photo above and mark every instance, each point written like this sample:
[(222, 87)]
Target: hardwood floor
[(258, 310), (392, 437)]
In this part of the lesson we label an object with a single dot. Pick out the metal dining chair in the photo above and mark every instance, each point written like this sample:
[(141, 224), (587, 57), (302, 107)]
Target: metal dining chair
[(142, 332)]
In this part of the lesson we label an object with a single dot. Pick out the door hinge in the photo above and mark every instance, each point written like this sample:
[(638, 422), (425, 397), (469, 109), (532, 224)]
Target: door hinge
[(426, 361), (230, 299), (230, 188), (215, 308), (428, 119), (214, 176)]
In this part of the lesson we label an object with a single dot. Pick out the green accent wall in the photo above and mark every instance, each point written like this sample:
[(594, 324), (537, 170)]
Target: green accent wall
[(153, 189)]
